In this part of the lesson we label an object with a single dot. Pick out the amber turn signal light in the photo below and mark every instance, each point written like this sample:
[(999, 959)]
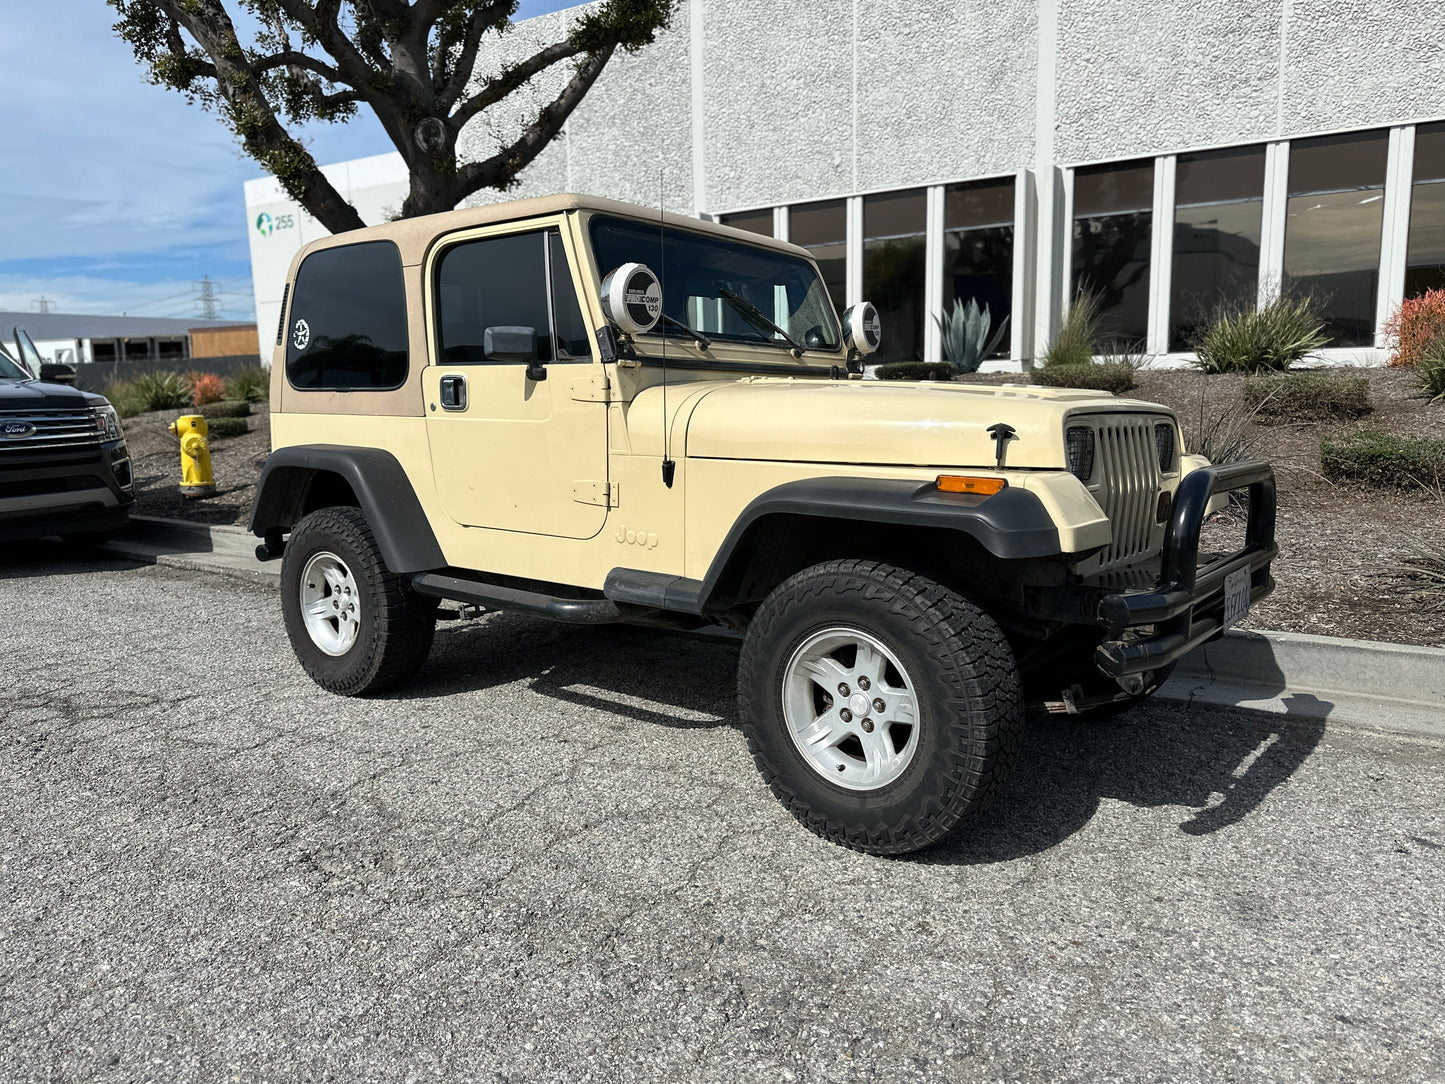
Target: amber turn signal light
[(963, 483)]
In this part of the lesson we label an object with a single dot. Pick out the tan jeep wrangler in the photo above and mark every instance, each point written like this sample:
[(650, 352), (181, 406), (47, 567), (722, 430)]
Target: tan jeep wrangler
[(580, 409)]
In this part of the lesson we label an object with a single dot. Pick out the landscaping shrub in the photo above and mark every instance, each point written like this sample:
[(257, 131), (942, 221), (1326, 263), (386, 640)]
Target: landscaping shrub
[(1077, 340), (1225, 436), (147, 392), (915, 370), (253, 384), (220, 428), (1432, 379), (1272, 338), (1384, 459), (1305, 396), (1415, 326), (205, 388), (966, 341), (1115, 377), (226, 408)]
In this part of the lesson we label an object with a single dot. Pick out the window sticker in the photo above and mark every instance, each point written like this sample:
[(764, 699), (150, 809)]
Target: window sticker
[(301, 335)]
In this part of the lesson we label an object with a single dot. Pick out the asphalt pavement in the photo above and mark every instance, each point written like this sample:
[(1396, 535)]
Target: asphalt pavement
[(551, 859)]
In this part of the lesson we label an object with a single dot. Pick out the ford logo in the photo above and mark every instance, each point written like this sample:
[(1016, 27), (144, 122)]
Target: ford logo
[(16, 430)]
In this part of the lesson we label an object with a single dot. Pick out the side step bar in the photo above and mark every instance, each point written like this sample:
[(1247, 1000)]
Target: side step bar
[(579, 611)]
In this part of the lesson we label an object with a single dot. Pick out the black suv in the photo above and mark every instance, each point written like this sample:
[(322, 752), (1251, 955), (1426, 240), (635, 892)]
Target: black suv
[(64, 466)]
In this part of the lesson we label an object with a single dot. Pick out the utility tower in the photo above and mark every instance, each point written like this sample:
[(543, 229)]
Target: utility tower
[(208, 297), (43, 303)]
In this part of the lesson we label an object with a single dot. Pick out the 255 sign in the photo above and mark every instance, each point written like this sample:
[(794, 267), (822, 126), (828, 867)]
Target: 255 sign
[(267, 224)]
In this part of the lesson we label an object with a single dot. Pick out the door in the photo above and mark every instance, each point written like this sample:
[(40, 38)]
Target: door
[(517, 441)]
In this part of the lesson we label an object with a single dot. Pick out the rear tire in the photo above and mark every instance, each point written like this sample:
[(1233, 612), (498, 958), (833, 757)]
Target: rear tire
[(356, 626), (840, 639)]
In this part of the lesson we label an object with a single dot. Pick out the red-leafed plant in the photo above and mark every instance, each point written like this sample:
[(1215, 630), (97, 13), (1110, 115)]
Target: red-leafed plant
[(1414, 327), (205, 388)]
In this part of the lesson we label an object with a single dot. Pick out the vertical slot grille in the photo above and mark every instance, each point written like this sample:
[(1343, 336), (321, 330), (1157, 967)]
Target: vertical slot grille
[(1128, 474)]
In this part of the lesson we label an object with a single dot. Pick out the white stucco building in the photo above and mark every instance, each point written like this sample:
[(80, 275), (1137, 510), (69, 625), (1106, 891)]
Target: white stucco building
[(1167, 154)]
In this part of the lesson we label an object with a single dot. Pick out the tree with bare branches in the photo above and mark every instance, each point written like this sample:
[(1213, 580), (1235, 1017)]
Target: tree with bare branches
[(411, 63)]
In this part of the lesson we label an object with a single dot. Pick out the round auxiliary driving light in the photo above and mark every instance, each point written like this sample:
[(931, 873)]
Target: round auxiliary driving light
[(862, 330), (632, 298)]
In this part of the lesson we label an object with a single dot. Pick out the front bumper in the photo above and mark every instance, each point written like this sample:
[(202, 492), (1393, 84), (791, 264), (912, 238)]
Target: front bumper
[(1149, 628)]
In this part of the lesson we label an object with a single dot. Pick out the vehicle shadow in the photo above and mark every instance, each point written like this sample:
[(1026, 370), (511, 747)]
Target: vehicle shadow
[(37, 558), (1217, 764)]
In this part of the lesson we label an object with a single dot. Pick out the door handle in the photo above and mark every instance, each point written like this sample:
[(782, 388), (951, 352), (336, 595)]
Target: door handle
[(454, 392)]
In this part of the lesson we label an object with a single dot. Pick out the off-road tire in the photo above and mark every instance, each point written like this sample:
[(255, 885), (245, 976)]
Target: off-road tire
[(396, 624), (965, 685)]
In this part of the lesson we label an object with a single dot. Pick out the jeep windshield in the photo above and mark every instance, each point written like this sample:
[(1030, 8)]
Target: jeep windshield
[(710, 284)]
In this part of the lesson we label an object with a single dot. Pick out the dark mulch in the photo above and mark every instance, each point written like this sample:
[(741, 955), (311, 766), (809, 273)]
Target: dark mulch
[(1341, 546), (235, 463)]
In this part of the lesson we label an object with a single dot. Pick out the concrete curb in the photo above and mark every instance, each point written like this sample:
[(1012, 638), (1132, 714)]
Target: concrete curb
[(1355, 682), (1318, 677)]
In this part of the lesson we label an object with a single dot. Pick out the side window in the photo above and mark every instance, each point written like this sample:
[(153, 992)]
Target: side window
[(520, 280), (348, 319)]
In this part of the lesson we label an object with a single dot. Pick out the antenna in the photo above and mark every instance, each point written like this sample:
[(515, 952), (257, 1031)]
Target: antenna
[(669, 468)]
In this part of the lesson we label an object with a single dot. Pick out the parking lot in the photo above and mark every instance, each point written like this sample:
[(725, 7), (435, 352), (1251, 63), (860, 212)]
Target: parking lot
[(551, 859)]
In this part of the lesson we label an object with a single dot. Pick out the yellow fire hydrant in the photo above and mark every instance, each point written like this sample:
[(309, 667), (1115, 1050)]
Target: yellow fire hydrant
[(196, 479)]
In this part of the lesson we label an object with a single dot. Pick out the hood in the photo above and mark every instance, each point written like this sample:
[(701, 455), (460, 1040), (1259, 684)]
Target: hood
[(38, 395), (887, 423)]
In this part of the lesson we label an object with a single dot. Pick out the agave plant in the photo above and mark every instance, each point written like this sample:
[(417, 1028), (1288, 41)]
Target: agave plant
[(966, 341)]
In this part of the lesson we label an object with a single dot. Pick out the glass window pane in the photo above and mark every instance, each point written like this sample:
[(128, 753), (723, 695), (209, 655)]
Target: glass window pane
[(348, 319), (700, 271), (1113, 225), (1430, 153), (978, 203), (894, 226), (1114, 189), (494, 282), (572, 338), (1425, 259), (1425, 262), (822, 228), (1332, 229), (978, 250), (1218, 203), (752, 221)]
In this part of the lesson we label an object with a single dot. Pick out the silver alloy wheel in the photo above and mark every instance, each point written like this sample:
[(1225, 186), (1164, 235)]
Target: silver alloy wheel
[(850, 708), (330, 603)]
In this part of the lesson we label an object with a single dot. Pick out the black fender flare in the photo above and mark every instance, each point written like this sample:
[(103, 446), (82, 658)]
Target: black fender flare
[(1012, 524), (382, 489)]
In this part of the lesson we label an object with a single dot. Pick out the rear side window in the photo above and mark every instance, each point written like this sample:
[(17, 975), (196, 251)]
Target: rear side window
[(518, 280), (348, 319)]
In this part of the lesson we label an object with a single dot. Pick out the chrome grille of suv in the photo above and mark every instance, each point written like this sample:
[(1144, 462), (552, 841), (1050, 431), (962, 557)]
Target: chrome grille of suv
[(1126, 468), (58, 430)]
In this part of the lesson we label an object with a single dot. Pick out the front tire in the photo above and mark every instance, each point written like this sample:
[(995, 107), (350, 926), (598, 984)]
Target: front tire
[(356, 626), (883, 708)]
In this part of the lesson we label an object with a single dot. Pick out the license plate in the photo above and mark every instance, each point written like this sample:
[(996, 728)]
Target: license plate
[(1236, 597)]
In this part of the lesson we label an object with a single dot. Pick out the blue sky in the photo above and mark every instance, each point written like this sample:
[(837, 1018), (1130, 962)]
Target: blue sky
[(115, 195)]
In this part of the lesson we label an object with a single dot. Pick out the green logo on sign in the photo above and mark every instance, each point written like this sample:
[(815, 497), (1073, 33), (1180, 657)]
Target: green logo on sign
[(263, 224)]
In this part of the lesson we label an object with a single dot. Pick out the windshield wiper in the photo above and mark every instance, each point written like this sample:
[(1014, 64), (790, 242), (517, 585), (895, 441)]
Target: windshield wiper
[(757, 316), (702, 339)]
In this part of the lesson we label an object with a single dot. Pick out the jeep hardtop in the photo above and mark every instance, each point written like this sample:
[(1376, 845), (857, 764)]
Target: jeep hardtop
[(589, 411)]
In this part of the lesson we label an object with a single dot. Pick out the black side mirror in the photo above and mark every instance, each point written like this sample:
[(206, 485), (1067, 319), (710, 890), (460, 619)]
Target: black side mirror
[(57, 374), (514, 343)]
